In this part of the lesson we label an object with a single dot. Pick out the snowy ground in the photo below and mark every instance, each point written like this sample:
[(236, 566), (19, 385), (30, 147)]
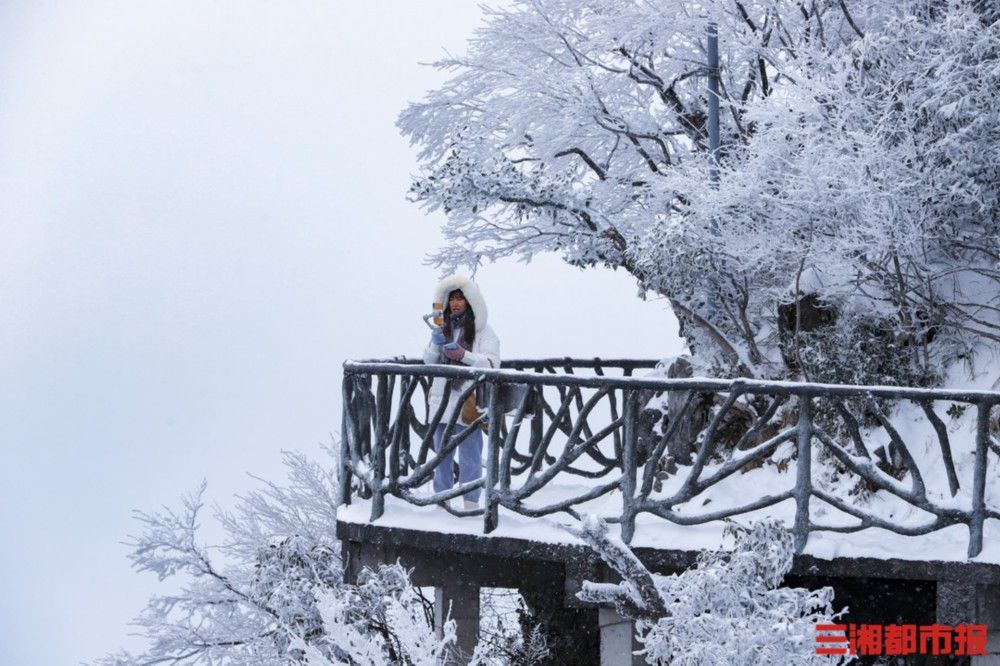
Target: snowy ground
[(948, 544)]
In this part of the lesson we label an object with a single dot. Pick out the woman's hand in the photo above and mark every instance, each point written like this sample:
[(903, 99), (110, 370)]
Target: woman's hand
[(453, 351)]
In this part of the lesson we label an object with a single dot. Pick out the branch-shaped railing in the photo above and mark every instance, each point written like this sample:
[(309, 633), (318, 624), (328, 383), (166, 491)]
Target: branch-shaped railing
[(569, 440)]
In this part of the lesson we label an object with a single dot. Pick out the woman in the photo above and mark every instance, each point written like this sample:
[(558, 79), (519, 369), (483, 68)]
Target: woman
[(465, 339)]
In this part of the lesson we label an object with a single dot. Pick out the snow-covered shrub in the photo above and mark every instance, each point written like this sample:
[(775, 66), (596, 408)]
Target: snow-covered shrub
[(509, 634), (729, 608), (273, 593), (862, 351), (378, 622)]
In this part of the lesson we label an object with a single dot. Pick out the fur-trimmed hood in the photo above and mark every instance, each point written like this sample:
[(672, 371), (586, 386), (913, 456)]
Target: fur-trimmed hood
[(472, 294)]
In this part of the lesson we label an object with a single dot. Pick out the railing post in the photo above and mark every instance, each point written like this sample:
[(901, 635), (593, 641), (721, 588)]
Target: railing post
[(803, 479), (979, 479), (344, 477), (404, 426), (630, 410), (537, 430), (378, 448), (491, 501), (396, 432)]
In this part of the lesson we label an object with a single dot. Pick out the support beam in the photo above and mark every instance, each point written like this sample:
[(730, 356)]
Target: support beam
[(988, 602), (458, 602), (969, 603), (617, 639), (920, 592)]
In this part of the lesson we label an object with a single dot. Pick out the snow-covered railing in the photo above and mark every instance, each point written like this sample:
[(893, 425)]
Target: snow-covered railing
[(610, 432)]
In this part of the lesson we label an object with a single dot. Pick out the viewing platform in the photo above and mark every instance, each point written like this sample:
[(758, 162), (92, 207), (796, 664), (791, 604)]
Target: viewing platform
[(892, 493)]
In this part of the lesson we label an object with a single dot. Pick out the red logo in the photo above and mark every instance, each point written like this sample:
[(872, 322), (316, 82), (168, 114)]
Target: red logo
[(901, 639)]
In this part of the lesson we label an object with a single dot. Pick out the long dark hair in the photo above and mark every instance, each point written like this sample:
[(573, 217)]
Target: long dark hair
[(469, 327)]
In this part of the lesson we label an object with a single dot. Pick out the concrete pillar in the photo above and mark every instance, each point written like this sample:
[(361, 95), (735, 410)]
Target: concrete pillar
[(968, 603), (988, 613), (458, 602), (617, 639)]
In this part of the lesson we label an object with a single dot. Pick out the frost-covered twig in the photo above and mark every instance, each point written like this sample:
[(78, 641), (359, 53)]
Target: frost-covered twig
[(728, 609)]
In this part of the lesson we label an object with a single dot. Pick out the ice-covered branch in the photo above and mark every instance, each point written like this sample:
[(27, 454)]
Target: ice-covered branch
[(728, 609)]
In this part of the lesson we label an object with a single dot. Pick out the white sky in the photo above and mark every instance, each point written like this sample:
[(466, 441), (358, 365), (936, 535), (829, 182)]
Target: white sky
[(203, 215)]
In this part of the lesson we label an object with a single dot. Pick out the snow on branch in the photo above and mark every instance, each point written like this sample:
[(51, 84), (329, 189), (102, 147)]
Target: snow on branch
[(858, 147), (637, 596), (274, 591), (729, 608)]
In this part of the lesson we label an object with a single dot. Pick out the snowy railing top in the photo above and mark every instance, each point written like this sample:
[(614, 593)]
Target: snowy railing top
[(670, 446)]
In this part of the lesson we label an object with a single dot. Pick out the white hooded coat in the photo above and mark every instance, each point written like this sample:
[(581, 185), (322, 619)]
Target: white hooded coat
[(485, 352)]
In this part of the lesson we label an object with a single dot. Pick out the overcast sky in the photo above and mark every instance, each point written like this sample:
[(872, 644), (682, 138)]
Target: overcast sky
[(203, 214)]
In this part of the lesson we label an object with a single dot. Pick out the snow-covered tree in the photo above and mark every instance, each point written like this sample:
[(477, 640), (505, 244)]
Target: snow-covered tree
[(509, 633), (859, 168), (378, 622), (729, 608), (273, 593)]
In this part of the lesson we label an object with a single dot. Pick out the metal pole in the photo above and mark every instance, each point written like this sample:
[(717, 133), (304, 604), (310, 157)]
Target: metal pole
[(711, 302), (713, 99)]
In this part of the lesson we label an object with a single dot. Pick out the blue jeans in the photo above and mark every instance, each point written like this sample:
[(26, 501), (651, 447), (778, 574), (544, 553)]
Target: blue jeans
[(470, 461)]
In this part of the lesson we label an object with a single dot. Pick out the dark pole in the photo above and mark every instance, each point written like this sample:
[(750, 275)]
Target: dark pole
[(711, 303), (713, 99)]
